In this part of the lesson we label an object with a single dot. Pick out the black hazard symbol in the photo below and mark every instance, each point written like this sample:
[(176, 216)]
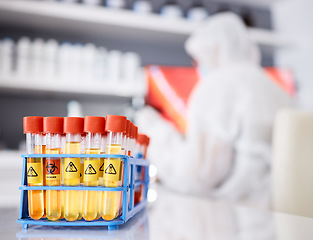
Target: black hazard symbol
[(90, 170), (71, 167), (31, 172), (110, 169), (101, 168)]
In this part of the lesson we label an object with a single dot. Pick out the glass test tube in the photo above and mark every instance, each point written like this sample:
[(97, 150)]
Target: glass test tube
[(113, 167), (73, 127), (53, 127), (142, 143), (33, 127), (94, 128)]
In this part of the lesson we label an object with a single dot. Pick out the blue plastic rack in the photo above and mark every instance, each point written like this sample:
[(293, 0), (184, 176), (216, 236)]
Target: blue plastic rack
[(129, 184)]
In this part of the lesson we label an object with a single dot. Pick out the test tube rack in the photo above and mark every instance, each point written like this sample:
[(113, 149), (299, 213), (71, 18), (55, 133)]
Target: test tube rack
[(129, 209)]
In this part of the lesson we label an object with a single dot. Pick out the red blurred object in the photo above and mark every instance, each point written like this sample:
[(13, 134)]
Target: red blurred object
[(169, 89)]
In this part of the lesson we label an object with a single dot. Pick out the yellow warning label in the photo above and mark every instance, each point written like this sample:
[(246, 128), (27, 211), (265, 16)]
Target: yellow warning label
[(71, 168), (91, 170), (113, 169), (34, 173)]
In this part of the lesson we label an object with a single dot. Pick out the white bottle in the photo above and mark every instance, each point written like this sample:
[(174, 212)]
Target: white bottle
[(23, 58), (63, 62), (197, 13), (141, 6), (100, 65), (76, 63), (6, 58), (130, 67), (36, 59), (91, 2), (172, 10), (114, 67), (49, 60), (116, 4), (88, 60)]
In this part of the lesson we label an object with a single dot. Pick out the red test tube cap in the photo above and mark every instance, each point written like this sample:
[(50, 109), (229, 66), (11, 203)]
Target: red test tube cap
[(141, 139), (33, 124), (94, 124), (115, 123), (73, 125), (53, 124)]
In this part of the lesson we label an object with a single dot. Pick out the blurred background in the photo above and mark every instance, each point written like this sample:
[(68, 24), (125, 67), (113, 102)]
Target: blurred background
[(99, 57)]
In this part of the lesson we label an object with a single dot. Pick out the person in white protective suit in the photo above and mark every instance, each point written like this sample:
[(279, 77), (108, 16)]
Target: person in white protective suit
[(226, 151)]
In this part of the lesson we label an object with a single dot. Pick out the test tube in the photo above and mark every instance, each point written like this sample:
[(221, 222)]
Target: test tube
[(33, 127), (94, 128), (142, 143), (113, 167), (53, 127), (73, 127)]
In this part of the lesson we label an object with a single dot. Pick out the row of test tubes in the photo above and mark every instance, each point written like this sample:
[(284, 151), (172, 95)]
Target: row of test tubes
[(74, 135)]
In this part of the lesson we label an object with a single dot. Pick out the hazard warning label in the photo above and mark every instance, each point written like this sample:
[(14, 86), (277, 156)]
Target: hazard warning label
[(34, 173), (71, 168), (90, 170), (110, 169), (52, 169), (113, 169)]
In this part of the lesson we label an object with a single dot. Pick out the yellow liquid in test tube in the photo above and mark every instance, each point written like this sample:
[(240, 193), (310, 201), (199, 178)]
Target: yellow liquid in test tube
[(71, 172), (36, 207), (112, 177), (53, 197), (91, 179)]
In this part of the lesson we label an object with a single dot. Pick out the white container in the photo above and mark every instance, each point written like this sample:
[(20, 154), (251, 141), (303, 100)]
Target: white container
[(130, 67), (50, 60), (100, 65), (197, 14), (172, 11), (6, 57), (292, 174), (116, 4), (23, 58), (36, 59), (114, 67), (142, 7)]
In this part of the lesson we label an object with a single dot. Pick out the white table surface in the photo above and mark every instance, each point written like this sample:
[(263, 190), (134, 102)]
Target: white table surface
[(174, 216)]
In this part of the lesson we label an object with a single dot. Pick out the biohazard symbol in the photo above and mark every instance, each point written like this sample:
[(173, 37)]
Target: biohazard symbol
[(31, 172), (110, 169), (90, 170), (51, 168), (101, 168), (71, 167)]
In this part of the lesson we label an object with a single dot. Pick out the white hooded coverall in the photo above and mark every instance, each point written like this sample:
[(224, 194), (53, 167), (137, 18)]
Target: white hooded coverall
[(225, 153)]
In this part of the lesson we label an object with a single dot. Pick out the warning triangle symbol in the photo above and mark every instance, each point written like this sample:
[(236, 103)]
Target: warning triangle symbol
[(31, 172), (90, 170), (101, 168), (110, 169), (71, 167)]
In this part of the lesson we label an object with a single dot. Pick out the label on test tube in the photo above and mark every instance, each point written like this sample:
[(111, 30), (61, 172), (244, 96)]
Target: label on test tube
[(112, 166), (34, 173), (71, 168), (112, 169), (91, 170), (53, 169)]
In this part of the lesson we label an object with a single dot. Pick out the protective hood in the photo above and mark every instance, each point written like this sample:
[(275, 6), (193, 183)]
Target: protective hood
[(221, 40)]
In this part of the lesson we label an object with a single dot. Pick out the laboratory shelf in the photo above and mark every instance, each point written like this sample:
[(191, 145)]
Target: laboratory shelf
[(128, 208), (101, 21), (57, 87)]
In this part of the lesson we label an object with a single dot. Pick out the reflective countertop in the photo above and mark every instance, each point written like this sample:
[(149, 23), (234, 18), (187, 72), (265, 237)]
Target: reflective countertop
[(175, 216)]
